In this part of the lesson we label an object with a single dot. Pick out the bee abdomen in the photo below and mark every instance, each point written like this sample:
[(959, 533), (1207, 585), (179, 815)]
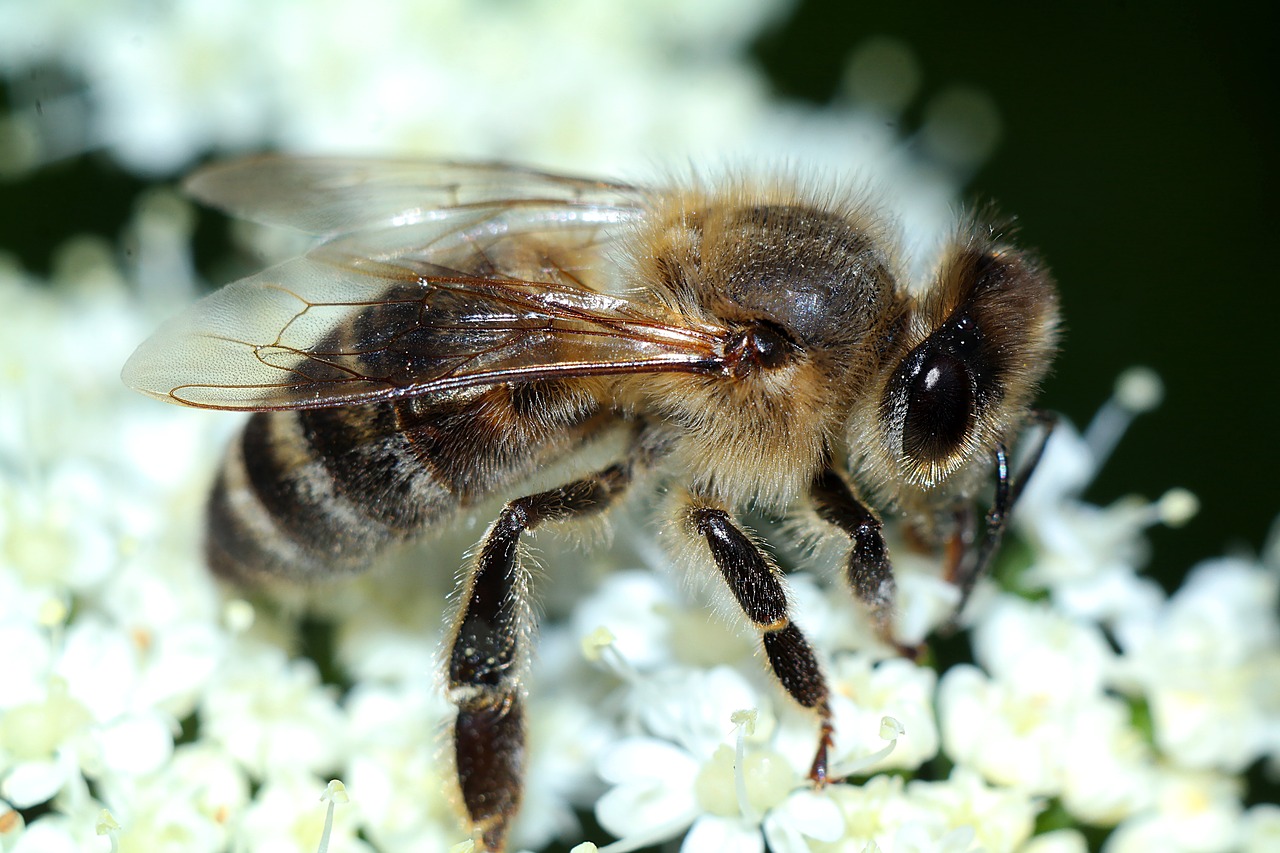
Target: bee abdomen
[(307, 494)]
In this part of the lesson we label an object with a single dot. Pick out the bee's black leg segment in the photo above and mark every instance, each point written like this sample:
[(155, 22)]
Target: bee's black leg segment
[(1008, 488), (488, 653), (869, 571), (756, 583)]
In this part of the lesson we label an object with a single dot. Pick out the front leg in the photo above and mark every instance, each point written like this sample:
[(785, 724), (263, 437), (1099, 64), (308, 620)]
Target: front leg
[(968, 571), (488, 653), (756, 584), (868, 572)]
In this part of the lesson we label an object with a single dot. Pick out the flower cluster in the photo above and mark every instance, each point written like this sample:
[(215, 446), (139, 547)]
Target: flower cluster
[(1140, 717), (145, 709)]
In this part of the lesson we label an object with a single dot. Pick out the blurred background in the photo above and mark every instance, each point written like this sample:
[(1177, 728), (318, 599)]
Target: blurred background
[(1135, 143)]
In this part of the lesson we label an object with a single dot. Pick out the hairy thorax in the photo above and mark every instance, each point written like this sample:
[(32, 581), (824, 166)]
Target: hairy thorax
[(809, 295)]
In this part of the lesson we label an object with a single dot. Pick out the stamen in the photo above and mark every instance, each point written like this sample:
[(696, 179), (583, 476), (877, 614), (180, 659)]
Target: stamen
[(890, 730), (1138, 390), (1176, 507), (600, 646), (745, 724), (335, 792), (108, 826)]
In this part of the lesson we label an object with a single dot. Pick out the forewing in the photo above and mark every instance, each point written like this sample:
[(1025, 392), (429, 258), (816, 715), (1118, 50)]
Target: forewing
[(329, 196), (486, 294)]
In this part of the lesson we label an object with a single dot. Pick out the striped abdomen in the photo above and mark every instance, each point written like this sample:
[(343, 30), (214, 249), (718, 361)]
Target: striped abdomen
[(310, 493)]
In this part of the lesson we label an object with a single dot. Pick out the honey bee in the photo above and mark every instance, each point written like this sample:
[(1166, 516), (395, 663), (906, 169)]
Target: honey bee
[(458, 327)]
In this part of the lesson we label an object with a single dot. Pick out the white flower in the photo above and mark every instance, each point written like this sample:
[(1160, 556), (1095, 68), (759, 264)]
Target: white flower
[(1087, 556), (288, 816), (52, 834), (683, 774), (390, 624), (1057, 841), (396, 772), (272, 714), (1260, 829), (566, 737), (1208, 663), (864, 693), (1108, 770), (1039, 652), (1010, 737), (1196, 812), (805, 815), (998, 819), (958, 815), (111, 626), (42, 744), (640, 613), (187, 805), (1020, 725)]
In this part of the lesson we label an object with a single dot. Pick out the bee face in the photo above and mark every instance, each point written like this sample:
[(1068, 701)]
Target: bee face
[(979, 345), (459, 327)]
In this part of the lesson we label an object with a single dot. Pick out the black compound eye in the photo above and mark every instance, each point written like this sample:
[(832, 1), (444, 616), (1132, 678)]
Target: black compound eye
[(940, 408)]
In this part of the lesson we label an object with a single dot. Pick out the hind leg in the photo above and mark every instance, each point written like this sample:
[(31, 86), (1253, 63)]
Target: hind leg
[(489, 650)]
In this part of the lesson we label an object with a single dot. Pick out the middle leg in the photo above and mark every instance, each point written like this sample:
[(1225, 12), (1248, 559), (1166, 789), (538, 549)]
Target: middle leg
[(756, 584), (868, 570)]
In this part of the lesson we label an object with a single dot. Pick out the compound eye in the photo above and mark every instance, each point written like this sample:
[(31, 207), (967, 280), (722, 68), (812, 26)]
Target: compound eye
[(940, 408)]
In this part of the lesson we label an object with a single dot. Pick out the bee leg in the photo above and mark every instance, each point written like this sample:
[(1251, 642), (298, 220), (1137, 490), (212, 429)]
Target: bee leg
[(489, 649), (1008, 489), (869, 571), (756, 583)]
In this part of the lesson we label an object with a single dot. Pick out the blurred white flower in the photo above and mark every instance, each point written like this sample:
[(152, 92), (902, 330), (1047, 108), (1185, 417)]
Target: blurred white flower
[(1057, 841), (1037, 651), (1088, 557), (395, 771), (1191, 811), (185, 805), (1017, 722), (1108, 768), (272, 714), (1208, 663), (287, 815), (1260, 829), (961, 813)]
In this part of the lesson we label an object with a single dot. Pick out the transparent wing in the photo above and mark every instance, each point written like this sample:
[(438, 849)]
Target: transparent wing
[(487, 293), (329, 196)]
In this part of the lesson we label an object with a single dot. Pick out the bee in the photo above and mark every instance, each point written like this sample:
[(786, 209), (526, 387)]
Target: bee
[(460, 326)]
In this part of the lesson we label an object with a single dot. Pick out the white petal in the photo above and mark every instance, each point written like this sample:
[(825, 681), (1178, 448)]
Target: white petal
[(136, 743), (815, 814), (645, 758), (32, 782), (642, 808), (48, 835), (722, 835)]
